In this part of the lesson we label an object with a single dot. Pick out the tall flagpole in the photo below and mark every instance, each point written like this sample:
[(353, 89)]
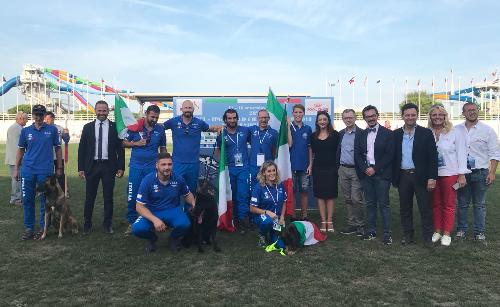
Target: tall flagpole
[(380, 95), (406, 90), (340, 91), (87, 96), (3, 99), (393, 99), (419, 104), (366, 90), (433, 90)]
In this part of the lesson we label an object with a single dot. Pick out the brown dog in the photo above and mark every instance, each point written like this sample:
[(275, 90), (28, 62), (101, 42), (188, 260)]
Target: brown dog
[(57, 209)]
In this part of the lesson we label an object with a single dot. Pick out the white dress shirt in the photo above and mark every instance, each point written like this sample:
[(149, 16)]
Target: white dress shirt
[(13, 134), (482, 144), (370, 145), (105, 130), (452, 153)]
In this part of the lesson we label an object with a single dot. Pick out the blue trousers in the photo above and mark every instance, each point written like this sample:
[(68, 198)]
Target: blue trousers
[(190, 173), (28, 188), (173, 217), (239, 177), (265, 225), (376, 194), (475, 192), (135, 176)]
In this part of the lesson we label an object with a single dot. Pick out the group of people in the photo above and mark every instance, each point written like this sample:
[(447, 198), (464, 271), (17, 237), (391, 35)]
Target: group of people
[(431, 163)]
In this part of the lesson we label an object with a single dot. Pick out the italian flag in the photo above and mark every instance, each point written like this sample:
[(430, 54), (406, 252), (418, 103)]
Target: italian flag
[(225, 221), (279, 122), (124, 118)]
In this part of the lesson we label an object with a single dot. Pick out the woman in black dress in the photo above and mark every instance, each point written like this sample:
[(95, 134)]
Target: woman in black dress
[(324, 144)]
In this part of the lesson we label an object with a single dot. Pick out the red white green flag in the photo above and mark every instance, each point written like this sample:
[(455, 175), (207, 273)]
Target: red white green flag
[(225, 198), (124, 118), (279, 122)]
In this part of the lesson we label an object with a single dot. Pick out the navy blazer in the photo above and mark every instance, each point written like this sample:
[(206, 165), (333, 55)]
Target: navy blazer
[(357, 135), (384, 153), (424, 155), (86, 148)]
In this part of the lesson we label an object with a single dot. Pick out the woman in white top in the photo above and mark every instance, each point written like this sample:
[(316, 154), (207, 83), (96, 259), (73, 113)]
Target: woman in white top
[(452, 167)]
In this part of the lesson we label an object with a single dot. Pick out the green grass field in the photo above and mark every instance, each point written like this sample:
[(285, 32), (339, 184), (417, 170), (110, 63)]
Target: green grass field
[(102, 269)]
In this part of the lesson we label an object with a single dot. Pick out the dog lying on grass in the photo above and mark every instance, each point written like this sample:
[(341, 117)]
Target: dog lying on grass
[(203, 218), (57, 211), (299, 234)]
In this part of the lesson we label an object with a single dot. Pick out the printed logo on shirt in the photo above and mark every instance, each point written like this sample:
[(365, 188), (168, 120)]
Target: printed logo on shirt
[(304, 135), (253, 199), (155, 188), (266, 195), (30, 136), (174, 184), (139, 196)]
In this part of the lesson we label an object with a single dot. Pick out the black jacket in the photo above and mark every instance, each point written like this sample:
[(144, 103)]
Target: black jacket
[(384, 153), (358, 134), (424, 155), (86, 149)]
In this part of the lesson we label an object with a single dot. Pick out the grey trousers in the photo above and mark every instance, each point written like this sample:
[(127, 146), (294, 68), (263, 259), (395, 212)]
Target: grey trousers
[(15, 187), (353, 195)]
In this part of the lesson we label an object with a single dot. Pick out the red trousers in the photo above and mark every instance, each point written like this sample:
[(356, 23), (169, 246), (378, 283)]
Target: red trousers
[(444, 202)]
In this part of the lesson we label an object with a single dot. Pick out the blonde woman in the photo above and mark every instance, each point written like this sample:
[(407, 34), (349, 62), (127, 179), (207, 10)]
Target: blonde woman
[(452, 167), (268, 203)]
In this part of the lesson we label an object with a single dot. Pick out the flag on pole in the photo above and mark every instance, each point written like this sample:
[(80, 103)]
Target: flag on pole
[(3, 79), (124, 118), (364, 82), (225, 196), (493, 74), (378, 81), (351, 81), (279, 122)]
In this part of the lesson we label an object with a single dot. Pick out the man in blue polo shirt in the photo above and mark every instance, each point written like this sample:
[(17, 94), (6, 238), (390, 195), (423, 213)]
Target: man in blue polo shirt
[(158, 204), (263, 144), (35, 153), (299, 140), (186, 137), (144, 144), (236, 140)]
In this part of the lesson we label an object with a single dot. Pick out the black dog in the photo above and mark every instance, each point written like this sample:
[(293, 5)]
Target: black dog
[(203, 218)]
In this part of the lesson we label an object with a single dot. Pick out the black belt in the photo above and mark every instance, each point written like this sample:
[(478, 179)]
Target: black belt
[(348, 166), (408, 171), (101, 161)]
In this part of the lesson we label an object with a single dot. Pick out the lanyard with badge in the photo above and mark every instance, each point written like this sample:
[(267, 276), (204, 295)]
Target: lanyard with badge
[(238, 157), (260, 156), (276, 224)]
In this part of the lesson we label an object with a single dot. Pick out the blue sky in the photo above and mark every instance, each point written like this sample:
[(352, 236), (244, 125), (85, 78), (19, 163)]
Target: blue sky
[(247, 46)]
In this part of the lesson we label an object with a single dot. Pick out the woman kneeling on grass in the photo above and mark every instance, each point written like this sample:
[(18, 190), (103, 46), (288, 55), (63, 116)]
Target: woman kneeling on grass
[(452, 167), (268, 203)]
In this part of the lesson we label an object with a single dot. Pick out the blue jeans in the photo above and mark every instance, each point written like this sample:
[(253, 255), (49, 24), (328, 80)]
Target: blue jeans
[(135, 176), (173, 217), (190, 173), (239, 176), (474, 191), (265, 224), (376, 194), (28, 188)]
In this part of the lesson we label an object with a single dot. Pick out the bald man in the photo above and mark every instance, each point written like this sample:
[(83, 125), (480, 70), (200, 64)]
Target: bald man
[(186, 137), (13, 134)]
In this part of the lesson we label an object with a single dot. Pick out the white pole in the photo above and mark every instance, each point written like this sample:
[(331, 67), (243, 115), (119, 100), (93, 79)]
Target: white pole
[(433, 91), (3, 100), (87, 97), (340, 91), (393, 99), (366, 91), (380, 96), (353, 102), (17, 99), (406, 90), (419, 104)]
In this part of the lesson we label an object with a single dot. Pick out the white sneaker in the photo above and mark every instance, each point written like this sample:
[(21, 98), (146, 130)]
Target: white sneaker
[(446, 240), (436, 237)]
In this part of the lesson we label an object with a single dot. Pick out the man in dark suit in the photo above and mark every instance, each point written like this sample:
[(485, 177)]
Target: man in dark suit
[(348, 179), (374, 153), (414, 172), (101, 157)]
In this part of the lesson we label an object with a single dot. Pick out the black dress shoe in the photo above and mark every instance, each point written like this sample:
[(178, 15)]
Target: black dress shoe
[(407, 241), (109, 230), (86, 230), (150, 246)]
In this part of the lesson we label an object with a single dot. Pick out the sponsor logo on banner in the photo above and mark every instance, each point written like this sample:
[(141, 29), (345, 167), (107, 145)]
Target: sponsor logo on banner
[(197, 103), (314, 105)]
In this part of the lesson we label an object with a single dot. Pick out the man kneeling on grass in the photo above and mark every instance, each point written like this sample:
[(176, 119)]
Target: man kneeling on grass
[(158, 204)]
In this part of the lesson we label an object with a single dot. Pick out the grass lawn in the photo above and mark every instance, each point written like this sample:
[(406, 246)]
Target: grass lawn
[(102, 269)]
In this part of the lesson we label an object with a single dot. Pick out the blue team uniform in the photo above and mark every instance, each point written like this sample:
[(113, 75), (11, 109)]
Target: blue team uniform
[(186, 143), (299, 152), (37, 164), (262, 142), (163, 200), (237, 161), (270, 198), (142, 162)]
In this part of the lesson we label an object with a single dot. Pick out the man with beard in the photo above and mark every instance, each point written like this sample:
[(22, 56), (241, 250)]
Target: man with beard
[(100, 158), (158, 204), (482, 159), (145, 145), (236, 139), (186, 137), (263, 144)]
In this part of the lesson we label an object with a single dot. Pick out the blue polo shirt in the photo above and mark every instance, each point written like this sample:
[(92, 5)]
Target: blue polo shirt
[(39, 145), (269, 198), (236, 143), (145, 156), (299, 152), (262, 141), (158, 196), (186, 138)]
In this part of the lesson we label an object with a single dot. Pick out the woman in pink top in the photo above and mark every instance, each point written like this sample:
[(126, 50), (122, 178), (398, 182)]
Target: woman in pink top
[(452, 167)]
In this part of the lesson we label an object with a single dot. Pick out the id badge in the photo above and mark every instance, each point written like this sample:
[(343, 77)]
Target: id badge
[(238, 159), (276, 225), (440, 161), (471, 162), (260, 159)]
